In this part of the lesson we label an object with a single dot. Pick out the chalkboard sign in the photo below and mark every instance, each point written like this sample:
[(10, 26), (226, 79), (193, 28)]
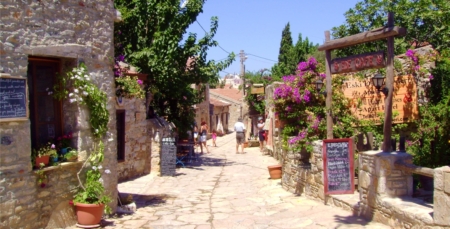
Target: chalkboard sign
[(338, 166), (13, 98)]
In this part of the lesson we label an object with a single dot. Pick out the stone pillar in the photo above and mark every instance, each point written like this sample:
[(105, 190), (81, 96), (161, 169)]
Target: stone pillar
[(314, 179), (441, 196), (379, 178)]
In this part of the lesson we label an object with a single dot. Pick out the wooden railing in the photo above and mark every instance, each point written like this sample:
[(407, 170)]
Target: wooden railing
[(414, 169)]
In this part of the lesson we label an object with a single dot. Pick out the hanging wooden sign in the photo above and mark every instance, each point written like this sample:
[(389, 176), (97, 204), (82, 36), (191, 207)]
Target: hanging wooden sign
[(358, 62), (257, 89)]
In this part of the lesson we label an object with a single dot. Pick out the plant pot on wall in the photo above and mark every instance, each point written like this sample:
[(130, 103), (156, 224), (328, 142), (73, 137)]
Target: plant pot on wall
[(275, 171), (89, 215), (43, 159)]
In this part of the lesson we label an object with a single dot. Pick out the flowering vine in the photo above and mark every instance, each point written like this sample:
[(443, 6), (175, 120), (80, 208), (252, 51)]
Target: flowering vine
[(297, 103), (303, 109), (85, 92)]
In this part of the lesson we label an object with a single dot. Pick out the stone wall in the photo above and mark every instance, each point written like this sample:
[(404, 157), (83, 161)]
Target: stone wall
[(384, 191), (71, 31), (138, 140)]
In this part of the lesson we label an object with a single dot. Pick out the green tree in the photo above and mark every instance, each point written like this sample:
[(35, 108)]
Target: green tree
[(290, 55), (301, 51), (426, 22), (284, 56), (153, 37)]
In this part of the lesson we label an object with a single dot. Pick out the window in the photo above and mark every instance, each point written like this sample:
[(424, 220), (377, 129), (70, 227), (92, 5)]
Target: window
[(120, 126), (45, 111)]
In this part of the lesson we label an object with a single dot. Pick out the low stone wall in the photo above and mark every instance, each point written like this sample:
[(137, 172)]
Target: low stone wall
[(384, 190), (27, 203)]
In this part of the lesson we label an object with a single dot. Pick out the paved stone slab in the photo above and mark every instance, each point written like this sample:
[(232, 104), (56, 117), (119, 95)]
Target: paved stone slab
[(227, 190)]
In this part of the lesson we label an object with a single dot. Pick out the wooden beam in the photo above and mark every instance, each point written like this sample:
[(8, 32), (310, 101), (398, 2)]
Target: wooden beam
[(329, 89), (359, 38), (414, 169), (387, 128)]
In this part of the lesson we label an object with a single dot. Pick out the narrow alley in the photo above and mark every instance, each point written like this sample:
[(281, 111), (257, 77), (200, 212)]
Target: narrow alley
[(226, 190)]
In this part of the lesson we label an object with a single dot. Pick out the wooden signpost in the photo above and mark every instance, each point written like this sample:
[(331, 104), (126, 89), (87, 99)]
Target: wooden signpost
[(13, 98), (338, 164), (338, 154), (387, 32)]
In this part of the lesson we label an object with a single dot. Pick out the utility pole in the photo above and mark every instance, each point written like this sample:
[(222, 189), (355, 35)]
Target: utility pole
[(243, 58)]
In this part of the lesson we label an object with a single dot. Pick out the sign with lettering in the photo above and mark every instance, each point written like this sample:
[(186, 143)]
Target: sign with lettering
[(367, 104), (358, 62), (338, 166), (13, 99)]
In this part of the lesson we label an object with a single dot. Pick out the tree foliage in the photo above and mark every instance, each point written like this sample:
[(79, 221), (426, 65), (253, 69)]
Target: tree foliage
[(290, 55), (426, 22), (153, 37)]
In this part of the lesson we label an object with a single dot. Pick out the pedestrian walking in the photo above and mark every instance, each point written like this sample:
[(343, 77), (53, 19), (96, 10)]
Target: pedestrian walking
[(214, 136), (239, 127), (203, 135), (261, 133)]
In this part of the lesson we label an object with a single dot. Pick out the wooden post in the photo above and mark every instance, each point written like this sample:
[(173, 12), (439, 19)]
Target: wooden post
[(387, 129), (328, 88)]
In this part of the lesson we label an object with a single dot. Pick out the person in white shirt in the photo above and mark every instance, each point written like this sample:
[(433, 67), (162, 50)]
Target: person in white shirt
[(239, 127)]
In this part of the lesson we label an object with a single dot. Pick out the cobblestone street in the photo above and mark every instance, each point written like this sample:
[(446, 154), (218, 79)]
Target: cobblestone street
[(226, 190)]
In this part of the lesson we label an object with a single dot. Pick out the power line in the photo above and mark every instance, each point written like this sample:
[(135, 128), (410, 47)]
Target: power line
[(260, 57), (207, 33)]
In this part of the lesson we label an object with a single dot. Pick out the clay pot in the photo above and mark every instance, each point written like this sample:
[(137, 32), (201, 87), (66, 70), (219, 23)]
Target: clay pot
[(245, 144), (44, 159), (89, 215), (275, 171)]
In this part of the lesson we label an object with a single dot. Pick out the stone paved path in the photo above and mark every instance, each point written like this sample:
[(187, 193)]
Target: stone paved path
[(227, 190)]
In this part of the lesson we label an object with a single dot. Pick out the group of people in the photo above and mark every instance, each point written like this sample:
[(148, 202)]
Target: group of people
[(239, 128), (200, 137)]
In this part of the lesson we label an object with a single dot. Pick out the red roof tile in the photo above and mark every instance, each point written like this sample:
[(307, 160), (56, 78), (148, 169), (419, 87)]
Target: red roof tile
[(218, 103), (232, 93)]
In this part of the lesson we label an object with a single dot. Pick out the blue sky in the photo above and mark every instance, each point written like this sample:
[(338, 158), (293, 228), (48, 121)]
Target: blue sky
[(256, 26)]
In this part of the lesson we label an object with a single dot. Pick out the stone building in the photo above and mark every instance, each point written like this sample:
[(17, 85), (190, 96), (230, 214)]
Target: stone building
[(220, 115), (232, 96), (39, 40), (135, 133)]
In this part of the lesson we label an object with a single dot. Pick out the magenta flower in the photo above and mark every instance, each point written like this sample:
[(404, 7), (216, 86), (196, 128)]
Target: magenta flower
[(431, 77), (140, 82)]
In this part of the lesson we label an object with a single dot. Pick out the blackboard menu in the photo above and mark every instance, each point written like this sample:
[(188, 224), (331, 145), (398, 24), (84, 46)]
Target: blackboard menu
[(13, 99), (338, 165)]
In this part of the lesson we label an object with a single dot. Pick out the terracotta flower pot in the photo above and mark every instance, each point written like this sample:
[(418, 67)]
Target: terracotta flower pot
[(245, 144), (89, 214), (44, 159), (275, 171)]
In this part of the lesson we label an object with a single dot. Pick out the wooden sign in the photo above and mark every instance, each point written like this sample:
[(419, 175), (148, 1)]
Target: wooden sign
[(367, 103), (13, 98), (338, 165), (358, 62), (257, 89)]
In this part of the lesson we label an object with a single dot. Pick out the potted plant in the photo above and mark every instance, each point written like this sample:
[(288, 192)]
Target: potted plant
[(71, 155), (42, 155), (63, 143), (91, 200), (129, 87)]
